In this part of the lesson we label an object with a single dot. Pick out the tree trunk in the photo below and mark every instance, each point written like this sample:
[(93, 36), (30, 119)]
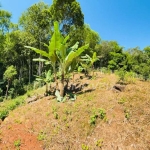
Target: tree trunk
[(29, 70), (46, 92), (62, 85), (40, 68), (7, 88), (20, 71), (40, 63)]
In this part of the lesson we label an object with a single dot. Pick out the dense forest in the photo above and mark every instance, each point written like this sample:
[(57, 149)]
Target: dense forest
[(20, 66)]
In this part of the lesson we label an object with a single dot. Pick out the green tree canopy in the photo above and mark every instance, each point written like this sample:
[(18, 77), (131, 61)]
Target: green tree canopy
[(67, 13)]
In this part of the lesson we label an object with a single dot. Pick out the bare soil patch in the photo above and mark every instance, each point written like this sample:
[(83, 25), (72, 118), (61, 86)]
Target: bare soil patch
[(17, 136)]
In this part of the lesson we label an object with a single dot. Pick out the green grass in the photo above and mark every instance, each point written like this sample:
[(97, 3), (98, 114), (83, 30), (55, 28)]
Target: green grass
[(8, 105)]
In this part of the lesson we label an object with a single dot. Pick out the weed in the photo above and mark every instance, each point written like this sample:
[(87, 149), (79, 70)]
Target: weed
[(67, 112), (122, 101), (102, 113), (93, 119), (64, 118), (85, 147), (127, 114), (18, 121), (56, 115), (9, 127), (56, 130), (41, 136), (54, 109), (67, 125), (47, 113), (17, 144), (99, 143)]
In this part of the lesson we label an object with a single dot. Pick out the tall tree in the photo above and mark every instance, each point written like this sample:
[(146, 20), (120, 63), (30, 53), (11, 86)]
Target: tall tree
[(84, 35), (8, 75), (5, 17), (36, 21), (110, 54), (67, 13)]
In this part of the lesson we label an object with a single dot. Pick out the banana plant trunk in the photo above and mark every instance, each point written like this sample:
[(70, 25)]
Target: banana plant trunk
[(55, 76), (93, 70), (62, 85)]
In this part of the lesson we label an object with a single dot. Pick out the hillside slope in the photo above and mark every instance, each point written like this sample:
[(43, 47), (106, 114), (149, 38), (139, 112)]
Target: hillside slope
[(103, 118)]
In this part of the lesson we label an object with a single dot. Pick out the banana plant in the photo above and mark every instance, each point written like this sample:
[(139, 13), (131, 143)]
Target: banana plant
[(93, 60), (88, 62), (47, 78), (58, 51), (66, 57)]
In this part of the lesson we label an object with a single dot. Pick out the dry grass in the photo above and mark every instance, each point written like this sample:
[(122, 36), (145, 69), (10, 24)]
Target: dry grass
[(66, 126)]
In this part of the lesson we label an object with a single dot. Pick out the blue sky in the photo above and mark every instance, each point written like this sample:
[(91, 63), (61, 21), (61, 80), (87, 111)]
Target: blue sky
[(125, 21)]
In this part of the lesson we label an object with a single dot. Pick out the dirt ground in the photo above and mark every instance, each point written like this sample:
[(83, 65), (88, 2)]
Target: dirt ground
[(49, 125)]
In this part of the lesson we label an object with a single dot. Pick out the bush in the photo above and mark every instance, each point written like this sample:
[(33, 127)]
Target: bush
[(3, 113), (18, 86), (1, 92), (1, 99), (130, 77), (126, 77), (10, 105), (11, 93), (105, 70), (121, 73)]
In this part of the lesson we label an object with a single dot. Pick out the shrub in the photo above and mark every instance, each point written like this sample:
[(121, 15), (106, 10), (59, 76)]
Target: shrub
[(130, 77), (1, 99), (3, 113), (9, 106), (126, 77), (1, 92), (121, 73), (105, 70)]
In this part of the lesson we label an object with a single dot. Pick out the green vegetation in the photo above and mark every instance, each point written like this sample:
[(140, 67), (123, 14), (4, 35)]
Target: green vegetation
[(85, 147), (41, 136), (10, 105), (19, 73), (99, 143), (17, 144), (100, 113)]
